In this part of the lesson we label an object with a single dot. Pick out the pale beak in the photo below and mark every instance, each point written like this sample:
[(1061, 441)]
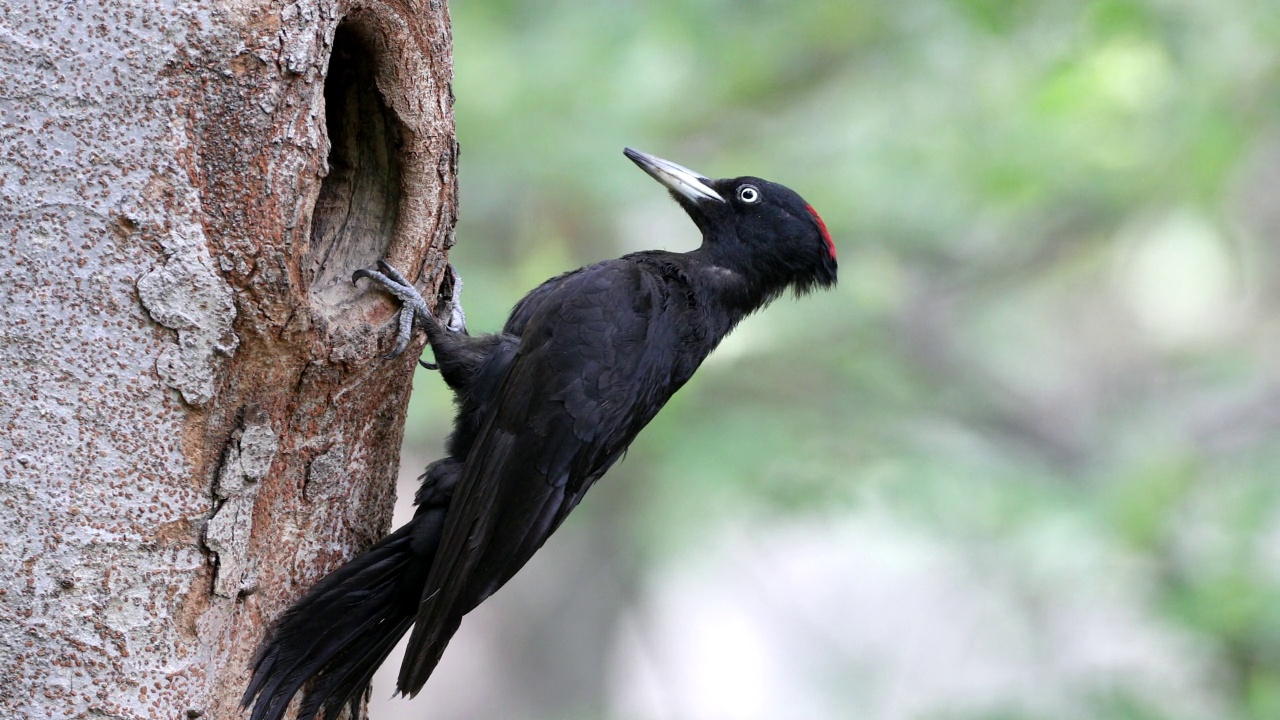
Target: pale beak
[(679, 180)]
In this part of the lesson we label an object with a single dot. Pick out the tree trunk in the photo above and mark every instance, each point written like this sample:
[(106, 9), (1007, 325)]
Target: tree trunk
[(197, 421)]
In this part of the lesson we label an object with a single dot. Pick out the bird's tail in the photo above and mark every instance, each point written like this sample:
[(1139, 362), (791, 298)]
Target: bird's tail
[(338, 634)]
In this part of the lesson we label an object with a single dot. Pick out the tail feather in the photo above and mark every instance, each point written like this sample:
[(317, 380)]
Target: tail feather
[(312, 633), (321, 663), (339, 689), (338, 634)]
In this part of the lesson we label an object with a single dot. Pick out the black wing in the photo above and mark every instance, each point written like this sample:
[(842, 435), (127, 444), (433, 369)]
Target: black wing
[(600, 352)]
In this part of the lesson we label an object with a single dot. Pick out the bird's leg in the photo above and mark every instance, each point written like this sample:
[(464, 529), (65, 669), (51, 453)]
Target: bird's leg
[(414, 307), (457, 318), (457, 353)]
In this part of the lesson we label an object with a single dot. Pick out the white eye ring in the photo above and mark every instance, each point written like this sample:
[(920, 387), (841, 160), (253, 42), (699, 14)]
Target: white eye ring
[(749, 194)]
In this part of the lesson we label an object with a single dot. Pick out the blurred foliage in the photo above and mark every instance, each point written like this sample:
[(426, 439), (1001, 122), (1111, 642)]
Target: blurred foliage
[(1058, 230)]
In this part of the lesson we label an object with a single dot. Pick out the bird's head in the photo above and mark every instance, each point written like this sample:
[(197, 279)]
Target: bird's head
[(759, 227)]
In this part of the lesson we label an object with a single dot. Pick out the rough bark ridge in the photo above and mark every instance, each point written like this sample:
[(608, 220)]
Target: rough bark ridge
[(196, 420)]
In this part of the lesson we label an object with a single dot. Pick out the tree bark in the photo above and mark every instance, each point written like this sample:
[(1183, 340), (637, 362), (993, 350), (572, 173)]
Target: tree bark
[(197, 422)]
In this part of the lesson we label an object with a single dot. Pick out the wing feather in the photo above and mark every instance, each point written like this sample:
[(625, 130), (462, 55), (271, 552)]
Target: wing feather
[(594, 365)]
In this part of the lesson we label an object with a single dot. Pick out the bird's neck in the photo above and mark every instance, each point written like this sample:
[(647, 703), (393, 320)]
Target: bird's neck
[(736, 288)]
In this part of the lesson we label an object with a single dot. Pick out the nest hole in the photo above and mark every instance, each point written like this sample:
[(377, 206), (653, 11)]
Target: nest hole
[(355, 214)]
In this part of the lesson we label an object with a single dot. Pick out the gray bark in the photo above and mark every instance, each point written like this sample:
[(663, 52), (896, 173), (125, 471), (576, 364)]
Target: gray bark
[(197, 422)]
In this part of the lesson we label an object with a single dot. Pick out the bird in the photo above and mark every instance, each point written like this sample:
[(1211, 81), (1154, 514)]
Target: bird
[(544, 408)]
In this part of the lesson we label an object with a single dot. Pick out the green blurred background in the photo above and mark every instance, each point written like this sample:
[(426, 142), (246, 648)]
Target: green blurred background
[(1022, 464)]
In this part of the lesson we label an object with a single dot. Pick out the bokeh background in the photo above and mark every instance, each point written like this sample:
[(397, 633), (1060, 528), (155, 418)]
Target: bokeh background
[(1024, 463)]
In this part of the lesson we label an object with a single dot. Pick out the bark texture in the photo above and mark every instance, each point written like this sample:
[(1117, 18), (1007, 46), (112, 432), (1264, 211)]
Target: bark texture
[(196, 420)]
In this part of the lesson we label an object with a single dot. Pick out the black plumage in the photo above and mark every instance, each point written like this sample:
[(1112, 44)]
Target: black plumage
[(545, 407)]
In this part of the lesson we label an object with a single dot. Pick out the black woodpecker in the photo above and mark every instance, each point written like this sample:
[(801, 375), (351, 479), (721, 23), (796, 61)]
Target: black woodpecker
[(544, 408)]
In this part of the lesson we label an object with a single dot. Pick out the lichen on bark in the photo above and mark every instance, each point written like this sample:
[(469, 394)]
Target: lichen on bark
[(167, 378)]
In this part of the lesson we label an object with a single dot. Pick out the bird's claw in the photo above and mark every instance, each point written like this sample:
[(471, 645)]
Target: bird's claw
[(390, 271), (392, 281), (457, 318)]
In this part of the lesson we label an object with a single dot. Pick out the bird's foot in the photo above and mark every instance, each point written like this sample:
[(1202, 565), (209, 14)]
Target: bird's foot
[(453, 287), (390, 279)]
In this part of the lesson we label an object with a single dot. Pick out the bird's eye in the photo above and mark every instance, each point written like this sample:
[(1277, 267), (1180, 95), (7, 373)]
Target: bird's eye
[(749, 194)]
